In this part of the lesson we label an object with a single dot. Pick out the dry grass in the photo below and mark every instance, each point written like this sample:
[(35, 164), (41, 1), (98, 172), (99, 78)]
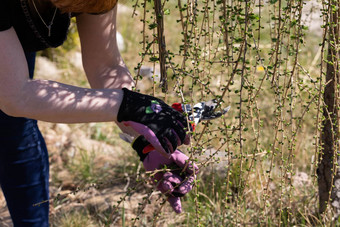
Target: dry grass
[(260, 183), (261, 171)]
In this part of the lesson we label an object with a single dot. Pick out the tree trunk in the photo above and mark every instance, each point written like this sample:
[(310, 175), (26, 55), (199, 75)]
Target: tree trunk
[(161, 44), (329, 159)]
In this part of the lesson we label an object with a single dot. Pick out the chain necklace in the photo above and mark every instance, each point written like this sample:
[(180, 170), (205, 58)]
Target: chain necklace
[(51, 22)]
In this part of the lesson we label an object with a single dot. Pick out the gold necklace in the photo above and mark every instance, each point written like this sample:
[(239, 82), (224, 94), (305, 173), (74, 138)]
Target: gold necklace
[(51, 22)]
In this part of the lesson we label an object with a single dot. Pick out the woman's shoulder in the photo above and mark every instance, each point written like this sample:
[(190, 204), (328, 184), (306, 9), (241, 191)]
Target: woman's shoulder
[(32, 24)]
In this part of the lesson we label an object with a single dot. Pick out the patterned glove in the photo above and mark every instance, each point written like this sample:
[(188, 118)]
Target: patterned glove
[(160, 124)]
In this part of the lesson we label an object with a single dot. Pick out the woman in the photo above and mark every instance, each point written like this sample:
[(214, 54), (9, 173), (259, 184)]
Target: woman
[(27, 26)]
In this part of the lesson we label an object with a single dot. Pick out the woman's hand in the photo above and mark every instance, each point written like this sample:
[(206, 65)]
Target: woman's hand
[(175, 183), (161, 125)]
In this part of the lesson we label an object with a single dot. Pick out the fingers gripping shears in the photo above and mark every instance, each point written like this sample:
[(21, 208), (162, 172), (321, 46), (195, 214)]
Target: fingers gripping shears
[(202, 111)]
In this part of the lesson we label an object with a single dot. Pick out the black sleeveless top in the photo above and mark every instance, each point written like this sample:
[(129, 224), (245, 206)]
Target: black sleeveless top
[(31, 31)]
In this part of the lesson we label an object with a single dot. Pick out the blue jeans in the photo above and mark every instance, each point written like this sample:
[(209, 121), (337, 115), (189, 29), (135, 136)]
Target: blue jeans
[(24, 167)]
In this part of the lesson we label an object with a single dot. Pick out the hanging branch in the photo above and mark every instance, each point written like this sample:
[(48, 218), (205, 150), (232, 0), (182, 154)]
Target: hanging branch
[(161, 44)]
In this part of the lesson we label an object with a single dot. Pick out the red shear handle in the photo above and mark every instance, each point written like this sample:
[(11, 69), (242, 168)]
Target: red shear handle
[(179, 107)]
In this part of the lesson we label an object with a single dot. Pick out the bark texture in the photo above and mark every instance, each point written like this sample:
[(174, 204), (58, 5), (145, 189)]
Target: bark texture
[(329, 160)]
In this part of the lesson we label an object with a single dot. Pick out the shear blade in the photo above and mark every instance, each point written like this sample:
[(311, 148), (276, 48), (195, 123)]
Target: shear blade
[(213, 115)]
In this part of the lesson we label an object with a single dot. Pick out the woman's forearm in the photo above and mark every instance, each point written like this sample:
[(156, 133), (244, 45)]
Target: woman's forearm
[(60, 103), (112, 77)]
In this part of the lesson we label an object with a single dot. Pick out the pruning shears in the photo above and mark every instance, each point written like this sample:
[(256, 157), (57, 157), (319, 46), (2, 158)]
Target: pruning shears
[(202, 111)]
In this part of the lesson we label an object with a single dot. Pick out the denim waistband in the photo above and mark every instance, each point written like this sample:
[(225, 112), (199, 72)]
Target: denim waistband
[(12, 126)]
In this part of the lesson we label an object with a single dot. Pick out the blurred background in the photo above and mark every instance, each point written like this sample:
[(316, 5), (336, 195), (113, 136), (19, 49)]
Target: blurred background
[(257, 164)]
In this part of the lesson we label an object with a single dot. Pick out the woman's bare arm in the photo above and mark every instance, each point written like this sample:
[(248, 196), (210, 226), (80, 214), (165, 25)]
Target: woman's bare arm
[(102, 61), (47, 100)]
